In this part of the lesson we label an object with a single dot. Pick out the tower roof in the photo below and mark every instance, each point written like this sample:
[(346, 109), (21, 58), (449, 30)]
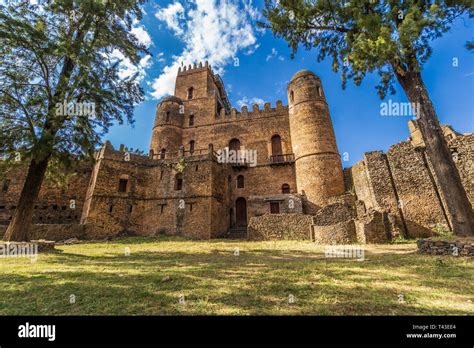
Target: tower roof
[(303, 73), (172, 98)]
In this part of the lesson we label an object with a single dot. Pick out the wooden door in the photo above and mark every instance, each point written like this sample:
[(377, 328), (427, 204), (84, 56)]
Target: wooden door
[(241, 212)]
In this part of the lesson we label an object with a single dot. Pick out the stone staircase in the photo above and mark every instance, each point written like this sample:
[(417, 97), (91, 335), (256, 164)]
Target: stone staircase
[(237, 233)]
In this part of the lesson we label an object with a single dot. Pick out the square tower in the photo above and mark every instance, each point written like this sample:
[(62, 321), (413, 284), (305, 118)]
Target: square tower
[(202, 92)]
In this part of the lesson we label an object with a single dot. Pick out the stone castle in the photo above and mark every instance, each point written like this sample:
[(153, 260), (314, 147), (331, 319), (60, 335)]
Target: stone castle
[(271, 173)]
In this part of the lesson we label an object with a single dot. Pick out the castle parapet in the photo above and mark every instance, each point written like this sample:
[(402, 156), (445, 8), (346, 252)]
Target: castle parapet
[(255, 112), (191, 68)]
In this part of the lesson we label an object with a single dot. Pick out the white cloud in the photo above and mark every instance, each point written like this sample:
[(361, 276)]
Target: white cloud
[(172, 16), (274, 54), (249, 102), (210, 30), (127, 69), (159, 57), (142, 35)]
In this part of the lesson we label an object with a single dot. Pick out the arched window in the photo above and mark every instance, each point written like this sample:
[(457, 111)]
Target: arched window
[(191, 146), (234, 144), (167, 116), (318, 88), (292, 96), (190, 92), (285, 188), (178, 182), (240, 181), (191, 120), (162, 153)]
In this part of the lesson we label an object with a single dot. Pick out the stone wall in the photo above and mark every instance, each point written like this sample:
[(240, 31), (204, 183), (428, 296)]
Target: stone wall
[(338, 233), (55, 232), (55, 204), (402, 184), (440, 247), (280, 227)]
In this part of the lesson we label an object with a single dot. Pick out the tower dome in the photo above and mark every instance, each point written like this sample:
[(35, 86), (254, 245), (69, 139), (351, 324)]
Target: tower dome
[(304, 73)]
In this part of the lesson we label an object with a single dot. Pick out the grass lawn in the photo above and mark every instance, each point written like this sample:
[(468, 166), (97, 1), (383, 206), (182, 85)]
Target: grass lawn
[(260, 280)]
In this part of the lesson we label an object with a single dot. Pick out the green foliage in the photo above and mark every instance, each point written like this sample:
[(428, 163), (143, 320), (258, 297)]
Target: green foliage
[(181, 165), (363, 36), (470, 45), (400, 239), (61, 54), (135, 151), (442, 231)]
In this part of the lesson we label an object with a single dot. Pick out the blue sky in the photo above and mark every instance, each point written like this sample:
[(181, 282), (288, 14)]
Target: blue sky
[(221, 31)]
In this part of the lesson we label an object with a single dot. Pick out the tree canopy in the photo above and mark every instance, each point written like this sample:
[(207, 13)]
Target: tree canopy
[(60, 89), (363, 36)]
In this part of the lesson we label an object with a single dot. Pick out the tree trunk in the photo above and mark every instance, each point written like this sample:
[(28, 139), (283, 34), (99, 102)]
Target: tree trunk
[(18, 229), (458, 207)]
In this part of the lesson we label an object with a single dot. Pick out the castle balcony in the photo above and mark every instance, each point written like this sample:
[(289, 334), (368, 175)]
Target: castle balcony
[(282, 159), (243, 163), (192, 154)]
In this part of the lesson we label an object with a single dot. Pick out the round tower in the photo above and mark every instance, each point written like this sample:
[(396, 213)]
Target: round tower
[(167, 135), (318, 164)]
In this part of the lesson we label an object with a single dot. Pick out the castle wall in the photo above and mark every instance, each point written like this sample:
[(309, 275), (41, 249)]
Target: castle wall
[(417, 193), (254, 130), (402, 183), (462, 148), (55, 204), (152, 204)]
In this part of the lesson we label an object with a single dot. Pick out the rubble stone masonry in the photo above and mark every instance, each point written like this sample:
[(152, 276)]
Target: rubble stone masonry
[(294, 187)]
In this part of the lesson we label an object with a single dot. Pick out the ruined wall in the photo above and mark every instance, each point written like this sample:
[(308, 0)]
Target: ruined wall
[(462, 148), (280, 227), (55, 232), (402, 183), (55, 204)]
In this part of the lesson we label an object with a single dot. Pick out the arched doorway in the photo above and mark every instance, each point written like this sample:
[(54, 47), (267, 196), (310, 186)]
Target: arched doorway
[(241, 212)]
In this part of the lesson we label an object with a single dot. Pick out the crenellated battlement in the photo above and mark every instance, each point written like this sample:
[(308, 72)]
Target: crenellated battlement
[(192, 68), (255, 112)]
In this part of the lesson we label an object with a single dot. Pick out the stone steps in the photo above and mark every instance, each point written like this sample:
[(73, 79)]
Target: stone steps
[(237, 233)]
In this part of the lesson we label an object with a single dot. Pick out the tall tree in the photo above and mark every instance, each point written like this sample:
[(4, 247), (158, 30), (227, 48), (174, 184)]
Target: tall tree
[(60, 86), (393, 38)]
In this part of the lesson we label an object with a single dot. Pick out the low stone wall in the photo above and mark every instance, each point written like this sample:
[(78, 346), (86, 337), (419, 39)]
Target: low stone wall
[(371, 228), (340, 233), (54, 232), (280, 227), (441, 247), (334, 213)]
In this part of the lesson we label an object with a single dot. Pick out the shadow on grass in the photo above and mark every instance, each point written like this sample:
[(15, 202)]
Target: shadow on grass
[(218, 282)]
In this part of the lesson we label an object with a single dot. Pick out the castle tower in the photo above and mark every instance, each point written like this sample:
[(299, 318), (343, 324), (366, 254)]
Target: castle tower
[(167, 135), (318, 165)]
